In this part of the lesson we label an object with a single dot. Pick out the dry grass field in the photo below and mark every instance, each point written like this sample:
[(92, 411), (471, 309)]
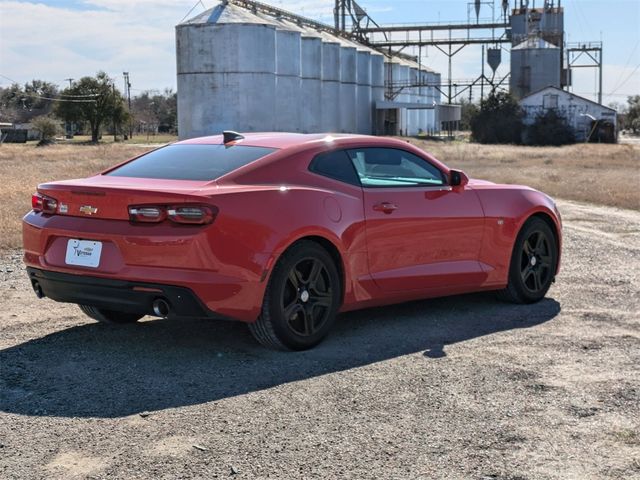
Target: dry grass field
[(601, 174)]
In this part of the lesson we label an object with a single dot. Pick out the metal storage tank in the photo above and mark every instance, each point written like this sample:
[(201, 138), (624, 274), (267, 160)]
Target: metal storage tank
[(288, 92), (330, 113), (311, 84), (377, 90), (348, 77), (535, 64), (364, 116), (414, 115), (217, 88), (424, 99)]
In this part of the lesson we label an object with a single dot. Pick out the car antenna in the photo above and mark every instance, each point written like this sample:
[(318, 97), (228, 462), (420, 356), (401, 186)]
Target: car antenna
[(231, 136)]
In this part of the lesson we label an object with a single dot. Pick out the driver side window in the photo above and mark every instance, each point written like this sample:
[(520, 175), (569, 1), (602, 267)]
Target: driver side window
[(391, 167)]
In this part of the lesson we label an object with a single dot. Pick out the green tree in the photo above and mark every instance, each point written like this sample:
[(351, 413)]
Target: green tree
[(633, 113), (499, 120), (21, 104), (94, 100), (550, 128), (468, 111)]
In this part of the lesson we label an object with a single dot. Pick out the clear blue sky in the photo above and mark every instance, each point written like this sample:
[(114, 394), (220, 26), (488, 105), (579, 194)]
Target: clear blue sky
[(58, 39)]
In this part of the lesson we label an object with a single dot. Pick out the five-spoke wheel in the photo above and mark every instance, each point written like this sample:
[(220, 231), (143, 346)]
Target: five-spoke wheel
[(533, 263), (302, 299)]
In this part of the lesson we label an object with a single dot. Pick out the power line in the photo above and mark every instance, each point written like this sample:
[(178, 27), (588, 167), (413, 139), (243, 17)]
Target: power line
[(626, 79)]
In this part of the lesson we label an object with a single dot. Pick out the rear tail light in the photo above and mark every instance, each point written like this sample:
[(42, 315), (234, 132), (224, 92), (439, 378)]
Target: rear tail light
[(147, 214), (43, 203), (194, 214), (184, 214)]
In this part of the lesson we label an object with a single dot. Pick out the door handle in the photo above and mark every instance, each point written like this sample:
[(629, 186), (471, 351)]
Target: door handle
[(385, 207)]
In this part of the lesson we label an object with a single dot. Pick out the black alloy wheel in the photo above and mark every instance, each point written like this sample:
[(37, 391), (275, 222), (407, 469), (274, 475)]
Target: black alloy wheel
[(301, 300), (534, 261)]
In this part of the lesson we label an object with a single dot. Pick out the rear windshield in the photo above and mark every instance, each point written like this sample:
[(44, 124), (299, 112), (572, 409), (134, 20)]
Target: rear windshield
[(190, 162)]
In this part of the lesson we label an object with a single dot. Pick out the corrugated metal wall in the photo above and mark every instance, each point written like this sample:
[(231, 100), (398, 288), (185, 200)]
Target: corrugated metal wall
[(250, 72)]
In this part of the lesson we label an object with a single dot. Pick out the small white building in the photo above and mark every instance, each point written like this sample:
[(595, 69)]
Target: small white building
[(588, 118)]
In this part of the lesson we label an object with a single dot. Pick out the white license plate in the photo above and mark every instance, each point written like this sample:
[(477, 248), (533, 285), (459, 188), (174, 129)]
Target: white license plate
[(85, 253)]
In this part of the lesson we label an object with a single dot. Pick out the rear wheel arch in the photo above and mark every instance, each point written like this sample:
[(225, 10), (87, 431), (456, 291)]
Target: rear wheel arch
[(330, 248)]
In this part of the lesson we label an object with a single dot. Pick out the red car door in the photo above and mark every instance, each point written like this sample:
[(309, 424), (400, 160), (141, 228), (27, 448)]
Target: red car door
[(421, 233)]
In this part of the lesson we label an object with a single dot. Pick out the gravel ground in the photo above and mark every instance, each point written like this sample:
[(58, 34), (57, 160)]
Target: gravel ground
[(462, 387)]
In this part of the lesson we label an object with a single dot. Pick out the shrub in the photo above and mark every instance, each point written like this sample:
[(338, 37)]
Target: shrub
[(46, 126), (499, 120), (550, 128)]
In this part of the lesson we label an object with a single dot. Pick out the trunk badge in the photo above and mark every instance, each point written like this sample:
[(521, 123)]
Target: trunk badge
[(88, 209)]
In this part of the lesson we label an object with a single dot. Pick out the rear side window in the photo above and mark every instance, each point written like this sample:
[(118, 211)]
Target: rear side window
[(335, 165), (191, 162)]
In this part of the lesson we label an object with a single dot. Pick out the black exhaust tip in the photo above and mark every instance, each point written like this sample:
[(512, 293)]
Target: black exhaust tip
[(161, 308), (37, 289)]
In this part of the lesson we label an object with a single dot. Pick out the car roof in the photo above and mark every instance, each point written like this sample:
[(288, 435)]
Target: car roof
[(282, 140)]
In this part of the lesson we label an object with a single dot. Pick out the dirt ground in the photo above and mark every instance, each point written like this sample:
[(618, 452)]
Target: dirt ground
[(462, 387)]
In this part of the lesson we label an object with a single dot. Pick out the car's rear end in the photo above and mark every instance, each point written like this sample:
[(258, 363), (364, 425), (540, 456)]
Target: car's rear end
[(146, 238)]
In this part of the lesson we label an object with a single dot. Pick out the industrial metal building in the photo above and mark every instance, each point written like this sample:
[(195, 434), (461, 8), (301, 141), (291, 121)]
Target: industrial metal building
[(250, 67)]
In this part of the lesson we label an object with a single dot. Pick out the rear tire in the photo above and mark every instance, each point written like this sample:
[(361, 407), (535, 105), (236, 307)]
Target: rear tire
[(301, 300), (110, 316), (533, 263)]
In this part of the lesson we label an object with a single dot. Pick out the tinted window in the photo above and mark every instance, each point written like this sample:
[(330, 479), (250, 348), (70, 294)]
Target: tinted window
[(190, 162), (390, 167), (335, 165)]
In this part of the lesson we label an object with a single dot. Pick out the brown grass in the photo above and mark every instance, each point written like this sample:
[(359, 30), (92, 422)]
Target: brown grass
[(595, 173), (603, 174), (23, 167)]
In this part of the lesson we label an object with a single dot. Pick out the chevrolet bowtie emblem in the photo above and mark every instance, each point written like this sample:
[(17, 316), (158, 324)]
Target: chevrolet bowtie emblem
[(88, 209)]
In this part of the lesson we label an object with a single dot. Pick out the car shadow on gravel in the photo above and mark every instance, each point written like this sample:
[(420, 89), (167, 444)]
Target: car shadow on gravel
[(95, 370)]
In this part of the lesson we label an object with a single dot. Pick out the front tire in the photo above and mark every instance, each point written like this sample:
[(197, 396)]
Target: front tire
[(534, 263), (301, 300), (110, 316)]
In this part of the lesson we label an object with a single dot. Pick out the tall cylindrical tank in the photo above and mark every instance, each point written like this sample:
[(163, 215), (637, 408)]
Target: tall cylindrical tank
[(310, 104), (288, 92), (423, 99), (377, 91), (330, 113), (400, 78), (414, 115), (217, 88), (535, 64), (348, 79), (363, 92)]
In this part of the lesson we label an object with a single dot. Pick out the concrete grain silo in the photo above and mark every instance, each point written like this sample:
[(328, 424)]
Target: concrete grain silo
[(288, 80), (347, 98), (330, 112), (311, 83), (217, 88), (377, 91), (251, 67), (363, 93)]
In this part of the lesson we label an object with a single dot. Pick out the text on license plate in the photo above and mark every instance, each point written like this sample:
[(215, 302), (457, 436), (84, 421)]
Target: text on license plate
[(85, 253)]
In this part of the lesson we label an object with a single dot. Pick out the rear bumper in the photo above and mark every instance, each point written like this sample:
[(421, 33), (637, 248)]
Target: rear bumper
[(119, 295)]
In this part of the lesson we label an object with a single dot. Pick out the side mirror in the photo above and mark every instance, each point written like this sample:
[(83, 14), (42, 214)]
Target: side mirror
[(457, 178)]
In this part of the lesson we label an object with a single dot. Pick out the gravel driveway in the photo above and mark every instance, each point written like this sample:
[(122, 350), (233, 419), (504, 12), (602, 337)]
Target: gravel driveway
[(461, 387)]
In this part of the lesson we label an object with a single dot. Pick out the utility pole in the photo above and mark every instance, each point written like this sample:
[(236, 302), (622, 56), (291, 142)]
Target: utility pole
[(115, 132), (69, 80), (127, 89)]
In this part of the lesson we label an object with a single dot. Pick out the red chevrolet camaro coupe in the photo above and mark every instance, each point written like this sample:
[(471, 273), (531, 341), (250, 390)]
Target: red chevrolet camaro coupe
[(283, 231)]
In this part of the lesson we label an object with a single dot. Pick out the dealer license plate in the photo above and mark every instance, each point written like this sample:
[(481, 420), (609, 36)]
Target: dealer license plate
[(85, 253)]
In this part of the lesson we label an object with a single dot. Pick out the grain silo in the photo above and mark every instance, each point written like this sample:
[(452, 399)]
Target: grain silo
[(217, 87), (535, 64), (250, 67)]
